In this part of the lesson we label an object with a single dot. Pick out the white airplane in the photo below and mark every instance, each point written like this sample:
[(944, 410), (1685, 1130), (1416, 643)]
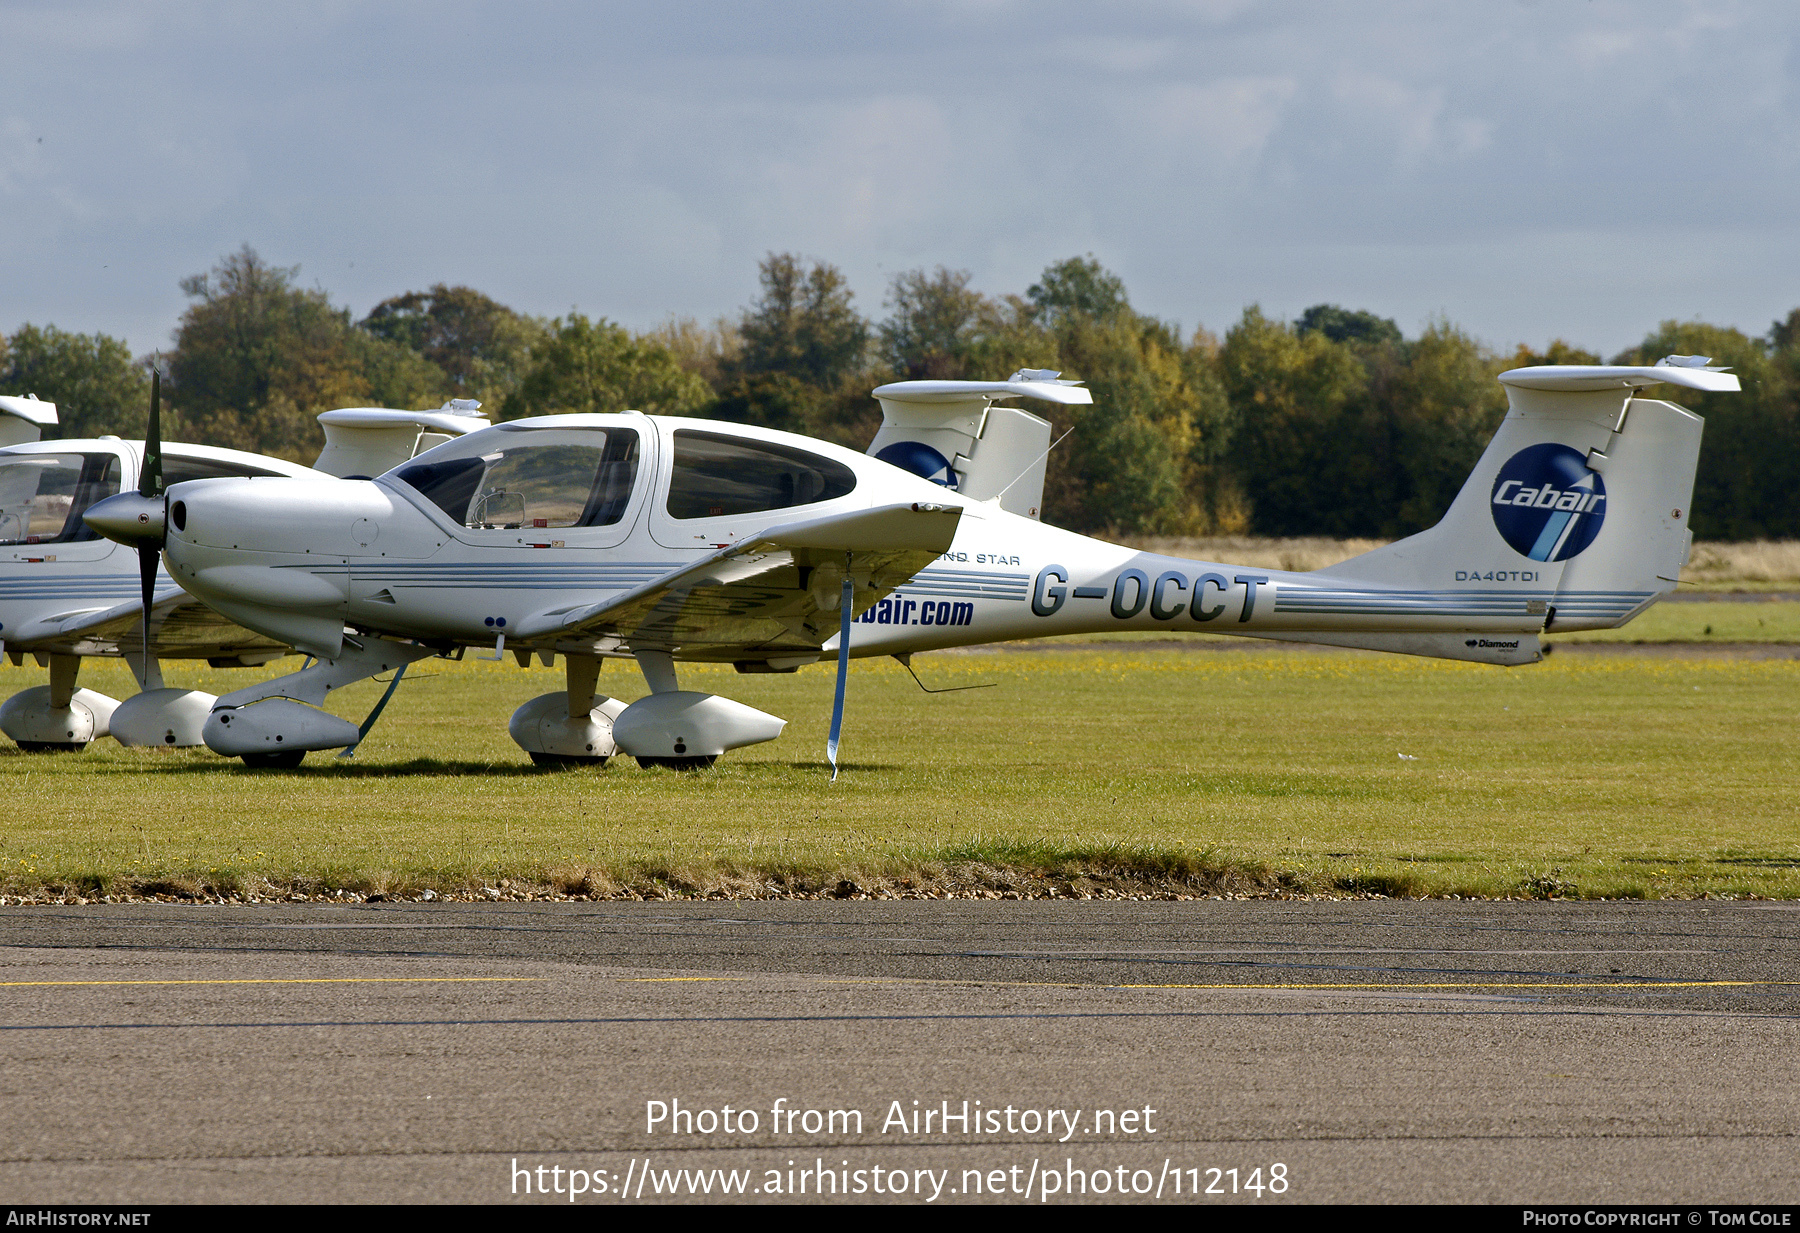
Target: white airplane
[(679, 540), (66, 593)]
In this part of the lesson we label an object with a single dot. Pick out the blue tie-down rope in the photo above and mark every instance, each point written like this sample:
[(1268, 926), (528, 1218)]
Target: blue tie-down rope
[(376, 713), (837, 706)]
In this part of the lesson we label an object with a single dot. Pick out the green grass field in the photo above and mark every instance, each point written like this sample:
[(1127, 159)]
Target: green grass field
[(1081, 771)]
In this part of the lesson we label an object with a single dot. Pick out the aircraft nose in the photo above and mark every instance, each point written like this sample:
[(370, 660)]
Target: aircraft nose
[(129, 518)]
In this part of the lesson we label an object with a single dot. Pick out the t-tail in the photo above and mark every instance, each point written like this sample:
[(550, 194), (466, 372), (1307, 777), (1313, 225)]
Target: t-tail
[(1579, 507)]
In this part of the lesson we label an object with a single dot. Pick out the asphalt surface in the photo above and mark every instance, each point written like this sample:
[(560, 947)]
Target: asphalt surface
[(1376, 1051)]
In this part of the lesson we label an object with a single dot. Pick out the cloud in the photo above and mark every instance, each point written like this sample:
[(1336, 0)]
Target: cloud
[(638, 160), (1232, 119)]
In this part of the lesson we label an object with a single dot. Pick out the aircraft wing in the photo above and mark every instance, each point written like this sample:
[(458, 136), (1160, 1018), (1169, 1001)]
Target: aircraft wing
[(775, 593), (181, 627)]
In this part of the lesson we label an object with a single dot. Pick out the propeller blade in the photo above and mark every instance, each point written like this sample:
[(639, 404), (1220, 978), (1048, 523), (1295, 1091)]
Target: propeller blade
[(150, 476), (147, 558), (843, 672), (150, 484)]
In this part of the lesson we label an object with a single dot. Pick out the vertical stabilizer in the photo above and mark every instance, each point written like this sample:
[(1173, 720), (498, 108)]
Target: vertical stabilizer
[(951, 433), (1582, 498), (363, 442)]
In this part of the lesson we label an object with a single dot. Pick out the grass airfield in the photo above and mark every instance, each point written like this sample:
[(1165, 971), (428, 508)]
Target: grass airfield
[(1086, 770)]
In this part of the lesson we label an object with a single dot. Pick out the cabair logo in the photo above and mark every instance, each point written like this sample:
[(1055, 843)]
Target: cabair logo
[(1547, 504), (920, 459)]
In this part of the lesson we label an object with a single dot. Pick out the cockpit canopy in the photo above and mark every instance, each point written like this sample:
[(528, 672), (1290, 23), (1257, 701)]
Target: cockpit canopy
[(530, 477), (538, 474)]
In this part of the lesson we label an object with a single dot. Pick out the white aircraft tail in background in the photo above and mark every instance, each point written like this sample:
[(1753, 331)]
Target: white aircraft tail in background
[(363, 442), (951, 433)]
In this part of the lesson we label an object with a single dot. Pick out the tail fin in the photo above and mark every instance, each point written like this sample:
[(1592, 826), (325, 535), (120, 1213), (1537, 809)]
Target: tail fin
[(365, 441), (24, 419), (1583, 493), (951, 433)]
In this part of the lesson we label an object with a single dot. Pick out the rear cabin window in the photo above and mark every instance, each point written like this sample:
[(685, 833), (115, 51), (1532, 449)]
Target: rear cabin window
[(42, 496), (530, 478), (716, 476)]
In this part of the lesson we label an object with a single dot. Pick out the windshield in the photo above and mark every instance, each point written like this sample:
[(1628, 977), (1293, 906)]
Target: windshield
[(540, 477), (42, 496)]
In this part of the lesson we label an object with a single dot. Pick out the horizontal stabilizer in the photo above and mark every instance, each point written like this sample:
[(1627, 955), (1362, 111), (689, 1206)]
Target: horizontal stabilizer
[(1579, 378), (930, 392)]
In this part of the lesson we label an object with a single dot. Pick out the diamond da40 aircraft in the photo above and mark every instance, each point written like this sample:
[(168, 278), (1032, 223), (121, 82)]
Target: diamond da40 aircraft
[(67, 594), (671, 540)]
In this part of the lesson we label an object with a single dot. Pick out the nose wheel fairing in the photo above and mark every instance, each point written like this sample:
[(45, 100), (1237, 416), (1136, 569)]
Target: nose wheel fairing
[(688, 730)]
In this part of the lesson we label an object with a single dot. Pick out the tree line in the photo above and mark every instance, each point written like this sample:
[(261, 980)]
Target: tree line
[(1332, 424)]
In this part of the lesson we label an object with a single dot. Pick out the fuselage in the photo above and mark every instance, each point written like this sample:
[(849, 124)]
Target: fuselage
[(499, 531)]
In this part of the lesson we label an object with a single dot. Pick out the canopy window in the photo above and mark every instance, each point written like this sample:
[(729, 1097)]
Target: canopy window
[(718, 475)]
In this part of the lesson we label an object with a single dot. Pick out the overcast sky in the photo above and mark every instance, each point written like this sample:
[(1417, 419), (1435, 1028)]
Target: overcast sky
[(1572, 168)]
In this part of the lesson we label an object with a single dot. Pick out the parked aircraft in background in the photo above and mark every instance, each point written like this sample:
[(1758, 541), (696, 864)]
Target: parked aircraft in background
[(67, 593), (670, 540)]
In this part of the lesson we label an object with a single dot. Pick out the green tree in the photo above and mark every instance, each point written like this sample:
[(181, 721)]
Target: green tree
[(1309, 457), (706, 351), (1140, 461), (1145, 458), (90, 377), (783, 401), (802, 325), (482, 347), (1078, 287), (934, 321), (598, 366), (1558, 352), (800, 357), (257, 358), (1346, 428), (1343, 325), (1442, 404)]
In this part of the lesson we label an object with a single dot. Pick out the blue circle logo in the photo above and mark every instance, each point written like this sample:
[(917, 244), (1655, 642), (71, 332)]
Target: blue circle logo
[(1547, 504), (920, 459)]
